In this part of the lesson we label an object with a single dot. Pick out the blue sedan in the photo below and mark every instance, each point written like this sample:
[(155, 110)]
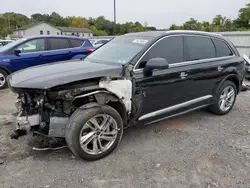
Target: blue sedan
[(33, 51)]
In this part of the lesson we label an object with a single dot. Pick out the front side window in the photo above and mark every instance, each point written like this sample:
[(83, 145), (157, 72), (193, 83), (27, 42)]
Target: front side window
[(199, 48), (58, 43), (170, 48), (36, 45), (222, 49)]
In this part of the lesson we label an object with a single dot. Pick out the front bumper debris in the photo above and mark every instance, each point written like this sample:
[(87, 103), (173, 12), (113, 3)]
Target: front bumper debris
[(24, 123)]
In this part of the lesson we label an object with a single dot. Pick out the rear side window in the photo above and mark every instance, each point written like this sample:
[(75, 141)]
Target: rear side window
[(221, 48), (170, 48), (199, 48), (57, 44), (76, 43)]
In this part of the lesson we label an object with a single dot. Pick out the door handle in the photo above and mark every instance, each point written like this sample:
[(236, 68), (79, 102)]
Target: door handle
[(183, 75), (220, 68)]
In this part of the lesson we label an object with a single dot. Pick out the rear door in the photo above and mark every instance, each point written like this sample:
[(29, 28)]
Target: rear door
[(32, 54), (205, 66), (59, 49)]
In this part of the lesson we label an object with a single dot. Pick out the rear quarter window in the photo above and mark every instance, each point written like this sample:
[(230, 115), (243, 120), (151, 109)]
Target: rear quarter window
[(76, 43), (222, 48)]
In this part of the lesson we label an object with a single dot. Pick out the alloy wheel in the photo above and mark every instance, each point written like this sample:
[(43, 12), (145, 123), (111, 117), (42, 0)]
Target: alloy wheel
[(98, 134), (227, 98), (2, 80)]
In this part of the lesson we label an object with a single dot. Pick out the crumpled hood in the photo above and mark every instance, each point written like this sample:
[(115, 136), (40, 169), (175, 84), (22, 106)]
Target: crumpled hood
[(51, 75)]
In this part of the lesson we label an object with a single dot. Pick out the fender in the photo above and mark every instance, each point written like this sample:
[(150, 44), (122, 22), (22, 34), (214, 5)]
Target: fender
[(232, 77), (5, 69)]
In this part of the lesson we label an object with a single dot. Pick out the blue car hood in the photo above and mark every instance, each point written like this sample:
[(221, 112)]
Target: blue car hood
[(51, 75)]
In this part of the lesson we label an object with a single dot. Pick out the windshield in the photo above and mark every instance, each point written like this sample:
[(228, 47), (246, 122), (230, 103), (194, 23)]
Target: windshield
[(10, 45), (119, 50)]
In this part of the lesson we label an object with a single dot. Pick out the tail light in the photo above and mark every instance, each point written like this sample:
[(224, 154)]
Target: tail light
[(90, 49)]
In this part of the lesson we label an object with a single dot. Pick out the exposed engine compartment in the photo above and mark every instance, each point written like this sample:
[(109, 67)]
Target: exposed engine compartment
[(48, 111)]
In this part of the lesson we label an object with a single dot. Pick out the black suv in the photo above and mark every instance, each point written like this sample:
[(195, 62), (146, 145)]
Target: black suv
[(136, 78)]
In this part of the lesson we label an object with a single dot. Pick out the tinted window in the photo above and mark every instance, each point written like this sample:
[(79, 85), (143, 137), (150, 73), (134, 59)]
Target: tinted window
[(32, 46), (221, 48), (76, 43), (170, 49), (57, 44), (199, 48)]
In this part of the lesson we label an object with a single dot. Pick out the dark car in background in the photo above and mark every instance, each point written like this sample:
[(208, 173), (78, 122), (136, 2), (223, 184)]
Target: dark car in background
[(138, 78), (28, 52)]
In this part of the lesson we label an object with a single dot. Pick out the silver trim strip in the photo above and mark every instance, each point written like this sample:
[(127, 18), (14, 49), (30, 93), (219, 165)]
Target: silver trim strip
[(178, 114), (88, 94), (175, 107), (193, 62), (185, 62)]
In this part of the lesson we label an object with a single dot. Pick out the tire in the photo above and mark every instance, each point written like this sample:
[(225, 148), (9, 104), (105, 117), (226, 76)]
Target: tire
[(3, 79), (216, 107), (80, 126)]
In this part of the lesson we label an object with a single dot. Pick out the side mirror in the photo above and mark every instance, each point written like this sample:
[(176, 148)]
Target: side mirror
[(156, 63), (17, 52)]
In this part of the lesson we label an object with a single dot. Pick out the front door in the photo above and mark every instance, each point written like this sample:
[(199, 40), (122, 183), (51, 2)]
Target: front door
[(32, 54), (170, 91)]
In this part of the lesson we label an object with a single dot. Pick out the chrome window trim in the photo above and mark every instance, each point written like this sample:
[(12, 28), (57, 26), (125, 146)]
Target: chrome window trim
[(193, 62), (185, 62), (175, 107)]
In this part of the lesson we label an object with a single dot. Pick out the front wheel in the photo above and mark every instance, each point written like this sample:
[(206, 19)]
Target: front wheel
[(3, 79), (224, 98), (94, 133)]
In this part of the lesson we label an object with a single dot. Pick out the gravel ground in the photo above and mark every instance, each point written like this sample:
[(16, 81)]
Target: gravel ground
[(195, 150)]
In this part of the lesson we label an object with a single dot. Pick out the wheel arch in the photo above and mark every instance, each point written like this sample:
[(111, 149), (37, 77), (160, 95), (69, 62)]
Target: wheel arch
[(5, 69), (103, 97), (233, 78)]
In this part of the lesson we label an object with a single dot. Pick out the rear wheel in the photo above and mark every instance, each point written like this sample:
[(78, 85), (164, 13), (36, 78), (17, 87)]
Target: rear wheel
[(94, 133), (224, 99), (3, 79)]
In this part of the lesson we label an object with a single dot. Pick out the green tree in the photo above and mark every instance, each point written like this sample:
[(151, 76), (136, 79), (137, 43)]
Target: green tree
[(192, 24), (243, 21), (79, 22)]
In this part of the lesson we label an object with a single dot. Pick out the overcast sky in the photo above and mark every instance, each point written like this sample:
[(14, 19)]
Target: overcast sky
[(158, 13)]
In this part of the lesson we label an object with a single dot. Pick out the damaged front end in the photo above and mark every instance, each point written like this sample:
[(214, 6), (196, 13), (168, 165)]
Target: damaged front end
[(47, 111)]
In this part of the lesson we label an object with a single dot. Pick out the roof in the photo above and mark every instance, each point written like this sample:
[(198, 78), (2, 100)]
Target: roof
[(63, 29), (147, 33), (28, 26), (56, 36), (75, 29), (236, 33), (172, 32)]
